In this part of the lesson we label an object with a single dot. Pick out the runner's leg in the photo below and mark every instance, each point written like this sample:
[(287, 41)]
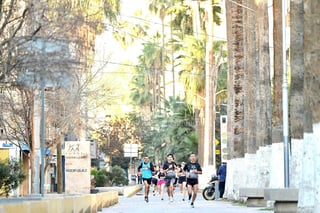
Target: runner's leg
[(195, 191), (189, 191), (184, 189)]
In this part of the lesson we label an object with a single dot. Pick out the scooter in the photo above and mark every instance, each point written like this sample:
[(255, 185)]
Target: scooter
[(208, 193)]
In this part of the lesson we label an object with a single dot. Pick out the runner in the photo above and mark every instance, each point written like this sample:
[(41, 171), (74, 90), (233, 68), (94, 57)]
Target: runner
[(145, 170), (170, 169), (193, 169), (154, 180), (182, 179), (161, 182)]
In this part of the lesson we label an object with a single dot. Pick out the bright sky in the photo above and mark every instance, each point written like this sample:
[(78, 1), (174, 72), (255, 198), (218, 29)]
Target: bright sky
[(108, 49)]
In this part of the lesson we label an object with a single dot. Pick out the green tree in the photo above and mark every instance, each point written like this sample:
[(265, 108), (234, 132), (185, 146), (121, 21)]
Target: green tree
[(116, 177), (147, 78), (11, 175), (172, 131)]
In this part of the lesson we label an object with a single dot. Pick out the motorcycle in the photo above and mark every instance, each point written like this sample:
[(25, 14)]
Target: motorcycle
[(208, 193)]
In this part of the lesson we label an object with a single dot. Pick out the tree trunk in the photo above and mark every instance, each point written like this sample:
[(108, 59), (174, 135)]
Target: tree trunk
[(199, 118), (236, 76), (263, 97), (311, 58), (250, 78), (163, 66), (59, 167), (196, 19), (211, 79), (297, 63), (278, 71)]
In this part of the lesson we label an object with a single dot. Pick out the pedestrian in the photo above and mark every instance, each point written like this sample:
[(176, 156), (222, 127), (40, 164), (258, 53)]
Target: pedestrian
[(193, 169), (161, 182), (182, 179), (222, 174), (145, 170), (170, 169)]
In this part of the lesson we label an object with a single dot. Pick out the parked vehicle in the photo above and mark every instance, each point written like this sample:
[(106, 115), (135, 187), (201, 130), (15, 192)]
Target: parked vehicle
[(208, 193)]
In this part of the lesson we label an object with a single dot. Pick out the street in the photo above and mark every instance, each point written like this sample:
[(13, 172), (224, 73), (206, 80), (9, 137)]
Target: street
[(136, 204)]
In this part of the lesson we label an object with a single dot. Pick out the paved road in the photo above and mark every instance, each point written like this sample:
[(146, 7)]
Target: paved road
[(136, 204)]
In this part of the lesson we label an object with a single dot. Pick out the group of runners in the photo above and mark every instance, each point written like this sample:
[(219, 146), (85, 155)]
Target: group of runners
[(169, 175)]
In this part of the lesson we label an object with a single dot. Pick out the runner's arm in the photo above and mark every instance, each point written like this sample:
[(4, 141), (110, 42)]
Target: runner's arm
[(151, 167), (199, 170), (139, 167)]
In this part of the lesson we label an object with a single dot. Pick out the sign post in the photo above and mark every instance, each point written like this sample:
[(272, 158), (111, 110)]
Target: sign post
[(131, 150)]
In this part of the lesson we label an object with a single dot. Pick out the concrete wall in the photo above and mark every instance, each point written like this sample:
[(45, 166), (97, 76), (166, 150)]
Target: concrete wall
[(309, 186), (126, 191), (89, 203), (264, 169)]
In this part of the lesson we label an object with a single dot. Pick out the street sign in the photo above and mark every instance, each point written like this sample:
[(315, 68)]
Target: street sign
[(130, 150)]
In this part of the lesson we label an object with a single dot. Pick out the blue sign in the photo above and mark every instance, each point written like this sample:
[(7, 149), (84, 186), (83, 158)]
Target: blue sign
[(7, 145)]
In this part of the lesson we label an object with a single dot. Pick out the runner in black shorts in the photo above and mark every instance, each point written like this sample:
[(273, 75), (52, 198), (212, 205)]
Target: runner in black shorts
[(145, 170), (154, 180), (193, 169), (170, 169), (182, 179)]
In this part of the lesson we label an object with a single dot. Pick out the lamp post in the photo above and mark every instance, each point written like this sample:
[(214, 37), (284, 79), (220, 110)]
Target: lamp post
[(42, 152), (285, 99)]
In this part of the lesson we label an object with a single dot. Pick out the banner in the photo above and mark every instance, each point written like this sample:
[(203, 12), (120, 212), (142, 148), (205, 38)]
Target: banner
[(77, 167)]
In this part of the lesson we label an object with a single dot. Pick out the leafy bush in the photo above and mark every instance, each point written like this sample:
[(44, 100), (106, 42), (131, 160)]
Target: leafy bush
[(116, 177), (11, 175)]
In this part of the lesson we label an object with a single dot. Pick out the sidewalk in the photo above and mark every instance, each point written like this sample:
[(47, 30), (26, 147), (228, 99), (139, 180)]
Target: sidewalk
[(136, 204)]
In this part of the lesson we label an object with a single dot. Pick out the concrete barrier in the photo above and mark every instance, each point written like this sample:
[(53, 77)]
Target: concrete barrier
[(88, 203), (125, 191), (15, 207), (285, 199), (254, 196), (55, 204)]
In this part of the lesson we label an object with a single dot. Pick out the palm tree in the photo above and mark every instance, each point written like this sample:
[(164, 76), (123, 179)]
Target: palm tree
[(297, 74), (148, 74), (160, 7), (278, 71)]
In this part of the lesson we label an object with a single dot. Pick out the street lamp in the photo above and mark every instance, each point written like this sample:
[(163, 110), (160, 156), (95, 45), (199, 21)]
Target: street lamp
[(42, 133)]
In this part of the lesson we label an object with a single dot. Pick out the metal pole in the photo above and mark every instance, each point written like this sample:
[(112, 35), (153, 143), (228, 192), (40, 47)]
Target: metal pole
[(42, 152), (285, 99)]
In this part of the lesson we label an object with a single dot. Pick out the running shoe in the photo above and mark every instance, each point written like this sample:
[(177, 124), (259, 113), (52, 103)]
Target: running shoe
[(171, 199), (146, 199), (192, 206)]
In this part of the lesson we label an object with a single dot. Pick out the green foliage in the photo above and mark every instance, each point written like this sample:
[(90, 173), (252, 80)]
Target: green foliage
[(182, 13), (101, 178), (94, 12), (11, 175), (117, 177), (173, 131)]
